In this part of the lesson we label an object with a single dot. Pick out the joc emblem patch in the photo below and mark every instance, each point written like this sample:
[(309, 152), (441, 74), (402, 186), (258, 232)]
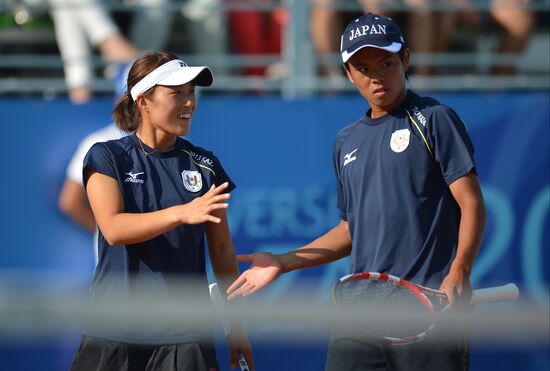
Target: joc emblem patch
[(400, 140), (192, 180)]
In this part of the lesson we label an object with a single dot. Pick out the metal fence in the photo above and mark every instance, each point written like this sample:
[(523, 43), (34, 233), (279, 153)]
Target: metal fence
[(27, 69)]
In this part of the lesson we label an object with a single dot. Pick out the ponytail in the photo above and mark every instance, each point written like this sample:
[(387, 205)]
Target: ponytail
[(126, 114)]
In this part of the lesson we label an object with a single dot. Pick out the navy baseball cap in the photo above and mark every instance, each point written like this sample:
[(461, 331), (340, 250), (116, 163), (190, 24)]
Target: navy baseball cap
[(371, 30)]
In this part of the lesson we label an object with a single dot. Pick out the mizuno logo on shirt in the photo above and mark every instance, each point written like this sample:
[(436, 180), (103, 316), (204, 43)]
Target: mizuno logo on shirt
[(348, 157), (133, 178)]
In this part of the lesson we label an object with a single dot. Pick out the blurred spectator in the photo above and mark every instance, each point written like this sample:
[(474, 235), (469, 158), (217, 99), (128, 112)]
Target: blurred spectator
[(326, 24), (80, 24), (517, 24), (256, 32), (72, 200), (205, 26), (151, 24), (431, 30)]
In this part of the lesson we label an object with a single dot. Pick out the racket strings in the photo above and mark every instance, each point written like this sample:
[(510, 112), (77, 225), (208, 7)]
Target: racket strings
[(403, 313)]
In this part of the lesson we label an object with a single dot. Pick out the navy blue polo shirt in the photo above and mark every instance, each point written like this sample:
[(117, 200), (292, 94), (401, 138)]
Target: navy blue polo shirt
[(149, 183), (393, 175)]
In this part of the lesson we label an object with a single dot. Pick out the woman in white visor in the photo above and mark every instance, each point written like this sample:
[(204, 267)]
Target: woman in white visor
[(157, 200)]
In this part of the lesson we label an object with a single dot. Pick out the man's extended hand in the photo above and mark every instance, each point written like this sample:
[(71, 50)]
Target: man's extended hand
[(264, 270)]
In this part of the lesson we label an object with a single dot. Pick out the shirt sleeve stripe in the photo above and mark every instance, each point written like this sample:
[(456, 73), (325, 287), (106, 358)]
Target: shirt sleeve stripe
[(421, 134)]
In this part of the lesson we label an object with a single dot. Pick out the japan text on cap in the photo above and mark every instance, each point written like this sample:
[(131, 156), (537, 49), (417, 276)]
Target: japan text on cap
[(370, 30)]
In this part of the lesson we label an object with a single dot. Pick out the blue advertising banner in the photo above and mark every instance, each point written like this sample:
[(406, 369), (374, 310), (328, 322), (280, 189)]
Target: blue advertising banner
[(279, 155)]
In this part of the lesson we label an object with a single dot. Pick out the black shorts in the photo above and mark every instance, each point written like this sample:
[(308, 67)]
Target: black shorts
[(105, 355), (447, 351)]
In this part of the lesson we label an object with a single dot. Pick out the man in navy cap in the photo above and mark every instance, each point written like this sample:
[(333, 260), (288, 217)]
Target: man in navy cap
[(409, 200)]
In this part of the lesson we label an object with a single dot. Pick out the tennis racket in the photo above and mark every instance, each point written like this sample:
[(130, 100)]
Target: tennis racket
[(219, 303), (412, 309)]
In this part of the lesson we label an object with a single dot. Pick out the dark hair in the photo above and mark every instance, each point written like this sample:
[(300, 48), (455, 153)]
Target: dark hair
[(402, 51), (126, 113)]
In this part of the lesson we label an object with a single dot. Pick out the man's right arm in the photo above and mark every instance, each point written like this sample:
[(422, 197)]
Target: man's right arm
[(73, 202), (266, 267)]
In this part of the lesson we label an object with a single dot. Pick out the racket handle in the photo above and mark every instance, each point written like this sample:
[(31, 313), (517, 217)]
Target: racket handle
[(219, 302), (242, 362), (506, 292)]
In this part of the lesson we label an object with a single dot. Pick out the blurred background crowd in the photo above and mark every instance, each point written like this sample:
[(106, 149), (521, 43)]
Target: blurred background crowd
[(53, 47)]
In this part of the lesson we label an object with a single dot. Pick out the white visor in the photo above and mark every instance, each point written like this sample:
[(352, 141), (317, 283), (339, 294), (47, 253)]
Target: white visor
[(393, 48), (173, 73)]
